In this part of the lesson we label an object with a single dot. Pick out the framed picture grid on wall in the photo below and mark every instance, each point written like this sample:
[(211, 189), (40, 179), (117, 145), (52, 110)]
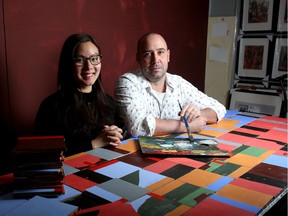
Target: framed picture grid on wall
[(257, 15), (253, 56)]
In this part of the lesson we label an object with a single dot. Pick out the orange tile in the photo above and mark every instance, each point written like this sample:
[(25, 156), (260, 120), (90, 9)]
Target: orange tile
[(200, 178), (245, 195), (239, 172), (131, 146), (244, 160)]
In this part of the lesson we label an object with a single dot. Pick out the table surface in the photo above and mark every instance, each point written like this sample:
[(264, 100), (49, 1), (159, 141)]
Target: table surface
[(122, 180)]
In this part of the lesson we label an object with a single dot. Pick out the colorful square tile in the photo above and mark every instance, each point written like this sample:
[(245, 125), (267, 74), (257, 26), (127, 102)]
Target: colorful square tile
[(143, 178), (148, 205), (117, 170), (200, 178), (123, 189), (177, 171), (137, 159), (92, 176), (244, 195), (212, 207), (105, 154), (82, 161), (77, 182)]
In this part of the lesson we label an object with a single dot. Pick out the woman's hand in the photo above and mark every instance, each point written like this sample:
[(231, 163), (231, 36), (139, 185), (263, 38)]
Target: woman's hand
[(110, 135)]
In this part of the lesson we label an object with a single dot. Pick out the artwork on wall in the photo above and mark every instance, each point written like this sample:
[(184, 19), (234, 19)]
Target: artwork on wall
[(257, 15), (280, 58), (282, 16), (253, 54)]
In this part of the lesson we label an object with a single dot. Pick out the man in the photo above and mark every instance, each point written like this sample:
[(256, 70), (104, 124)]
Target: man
[(148, 99)]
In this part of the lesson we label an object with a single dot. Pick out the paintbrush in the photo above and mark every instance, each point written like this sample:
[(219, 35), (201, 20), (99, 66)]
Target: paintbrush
[(190, 136)]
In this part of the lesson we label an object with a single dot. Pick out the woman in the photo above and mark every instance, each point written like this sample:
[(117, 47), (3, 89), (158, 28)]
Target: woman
[(80, 109)]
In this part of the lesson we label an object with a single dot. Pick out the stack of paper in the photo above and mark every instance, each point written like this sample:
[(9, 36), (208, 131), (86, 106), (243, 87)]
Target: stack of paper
[(38, 166)]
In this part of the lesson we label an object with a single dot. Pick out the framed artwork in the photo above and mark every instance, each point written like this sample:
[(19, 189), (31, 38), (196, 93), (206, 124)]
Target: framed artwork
[(280, 58), (282, 16), (257, 15), (253, 56)]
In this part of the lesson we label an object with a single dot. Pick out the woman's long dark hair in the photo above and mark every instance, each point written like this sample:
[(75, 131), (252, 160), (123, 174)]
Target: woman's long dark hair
[(80, 118)]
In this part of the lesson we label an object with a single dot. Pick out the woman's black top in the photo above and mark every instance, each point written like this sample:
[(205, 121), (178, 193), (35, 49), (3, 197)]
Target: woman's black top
[(55, 117)]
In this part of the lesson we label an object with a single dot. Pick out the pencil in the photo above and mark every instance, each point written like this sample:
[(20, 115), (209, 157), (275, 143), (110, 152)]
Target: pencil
[(190, 136)]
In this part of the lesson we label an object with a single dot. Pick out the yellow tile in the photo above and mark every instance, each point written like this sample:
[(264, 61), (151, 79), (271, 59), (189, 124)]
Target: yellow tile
[(200, 178), (244, 160), (211, 133), (225, 124)]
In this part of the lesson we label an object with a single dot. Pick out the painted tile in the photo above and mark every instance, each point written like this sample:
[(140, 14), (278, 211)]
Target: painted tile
[(148, 205), (244, 160), (68, 169), (78, 183), (265, 144), (196, 197), (210, 167), (220, 183), (137, 159), (263, 188), (83, 161), (249, 130), (277, 160), (200, 178), (181, 192), (180, 210), (129, 145), (225, 169), (239, 172), (265, 180), (161, 166), (177, 171), (252, 151), (159, 184), (236, 138), (143, 178), (104, 194), (212, 207), (115, 208), (271, 171), (123, 189), (264, 123), (244, 195), (169, 187), (186, 161), (92, 176), (105, 154), (117, 170), (277, 135)]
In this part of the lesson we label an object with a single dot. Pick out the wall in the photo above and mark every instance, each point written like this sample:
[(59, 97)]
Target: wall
[(220, 61), (33, 31)]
